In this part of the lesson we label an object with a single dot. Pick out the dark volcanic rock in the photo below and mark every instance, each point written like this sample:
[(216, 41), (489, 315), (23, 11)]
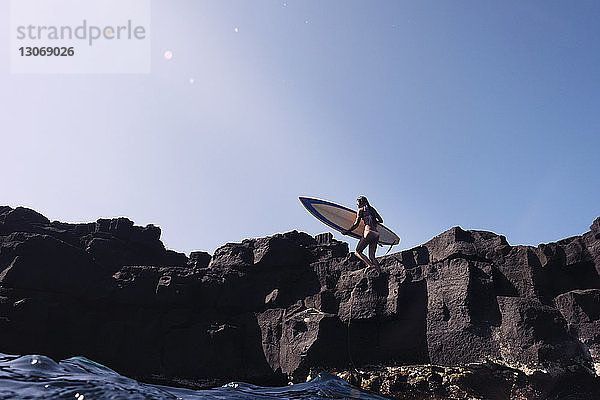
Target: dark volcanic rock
[(199, 259), (462, 312), (20, 219), (595, 228), (41, 262), (532, 333), (581, 310), (270, 309), (295, 339), (455, 242), (487, 380)]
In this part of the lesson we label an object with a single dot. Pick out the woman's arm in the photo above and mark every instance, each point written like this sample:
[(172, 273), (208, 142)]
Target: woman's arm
[(376, 215), (353, 227)]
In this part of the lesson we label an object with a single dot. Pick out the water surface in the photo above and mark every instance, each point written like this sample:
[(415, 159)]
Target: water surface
[(39, 377)]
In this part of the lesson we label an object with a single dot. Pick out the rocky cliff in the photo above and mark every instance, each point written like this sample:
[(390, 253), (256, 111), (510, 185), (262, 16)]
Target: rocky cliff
[(272, 308)]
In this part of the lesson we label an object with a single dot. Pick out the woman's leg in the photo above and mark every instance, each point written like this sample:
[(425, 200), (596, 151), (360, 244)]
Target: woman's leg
[(362, 244), (372, 249)]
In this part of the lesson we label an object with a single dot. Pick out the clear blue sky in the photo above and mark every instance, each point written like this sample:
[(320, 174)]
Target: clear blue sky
[(473, 113)]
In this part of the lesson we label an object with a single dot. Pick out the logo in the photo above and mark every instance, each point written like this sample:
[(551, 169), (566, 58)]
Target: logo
[(74, 36)]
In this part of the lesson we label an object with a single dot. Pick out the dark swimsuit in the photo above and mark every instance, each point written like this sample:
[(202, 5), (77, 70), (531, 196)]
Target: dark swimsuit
[(368, 218)]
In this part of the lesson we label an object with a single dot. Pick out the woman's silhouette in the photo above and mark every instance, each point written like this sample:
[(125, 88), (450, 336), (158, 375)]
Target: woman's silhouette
[(370, 238)]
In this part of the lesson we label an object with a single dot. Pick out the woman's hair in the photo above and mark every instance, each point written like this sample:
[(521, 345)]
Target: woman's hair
[(362, 201)]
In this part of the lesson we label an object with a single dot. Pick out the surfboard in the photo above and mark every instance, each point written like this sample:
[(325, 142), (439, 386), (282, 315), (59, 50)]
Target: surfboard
[(341, 218)]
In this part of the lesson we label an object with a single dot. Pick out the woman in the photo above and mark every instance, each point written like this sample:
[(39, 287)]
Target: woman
[(370, 238)]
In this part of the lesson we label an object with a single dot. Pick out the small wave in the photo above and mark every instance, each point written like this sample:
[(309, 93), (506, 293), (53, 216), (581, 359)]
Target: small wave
[(77, 378)]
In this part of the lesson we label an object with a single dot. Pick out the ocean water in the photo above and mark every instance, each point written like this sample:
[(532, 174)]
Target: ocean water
[(77, 378)]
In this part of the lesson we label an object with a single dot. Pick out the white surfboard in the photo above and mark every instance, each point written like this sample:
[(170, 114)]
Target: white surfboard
[(341, 218)]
